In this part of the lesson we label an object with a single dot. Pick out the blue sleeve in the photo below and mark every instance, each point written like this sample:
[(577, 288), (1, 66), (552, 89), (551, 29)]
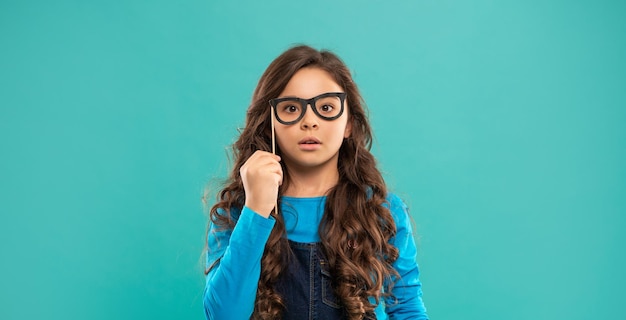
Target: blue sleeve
[(407, 290), (234, 257)]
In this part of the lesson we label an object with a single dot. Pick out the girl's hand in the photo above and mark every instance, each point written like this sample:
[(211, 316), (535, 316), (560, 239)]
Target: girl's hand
[(261, 175)]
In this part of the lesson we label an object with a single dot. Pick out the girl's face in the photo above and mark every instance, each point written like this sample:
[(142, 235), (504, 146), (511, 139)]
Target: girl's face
[(312, 142)]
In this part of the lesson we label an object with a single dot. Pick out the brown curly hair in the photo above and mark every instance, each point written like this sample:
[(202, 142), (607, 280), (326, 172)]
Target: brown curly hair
[(354, 234)]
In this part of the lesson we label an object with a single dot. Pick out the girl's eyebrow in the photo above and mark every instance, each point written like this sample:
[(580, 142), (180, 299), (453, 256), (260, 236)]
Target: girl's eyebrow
[(296, 97)]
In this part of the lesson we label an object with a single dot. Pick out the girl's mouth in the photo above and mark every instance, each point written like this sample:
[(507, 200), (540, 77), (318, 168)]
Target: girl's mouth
[(309, 140), (309, 144)]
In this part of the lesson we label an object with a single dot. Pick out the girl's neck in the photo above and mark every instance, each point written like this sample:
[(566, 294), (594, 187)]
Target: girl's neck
[(311, 183)]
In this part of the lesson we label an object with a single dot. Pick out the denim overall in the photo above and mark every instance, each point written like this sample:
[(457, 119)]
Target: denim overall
[(306, 285)]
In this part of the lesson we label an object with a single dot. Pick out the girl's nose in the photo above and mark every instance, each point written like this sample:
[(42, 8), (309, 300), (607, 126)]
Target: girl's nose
[(310, 119)]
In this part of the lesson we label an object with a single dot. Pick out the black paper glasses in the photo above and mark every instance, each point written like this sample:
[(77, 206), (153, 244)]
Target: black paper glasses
[(328, 106)]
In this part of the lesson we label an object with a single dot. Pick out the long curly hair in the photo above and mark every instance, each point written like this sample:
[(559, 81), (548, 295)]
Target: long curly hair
[(354, 234)]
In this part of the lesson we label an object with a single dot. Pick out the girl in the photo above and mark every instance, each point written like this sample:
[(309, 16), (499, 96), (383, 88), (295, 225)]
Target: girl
[(309, 232)]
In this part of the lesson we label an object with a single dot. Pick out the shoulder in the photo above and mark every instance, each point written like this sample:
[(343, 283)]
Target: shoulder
[(394, 201), (397, 207)]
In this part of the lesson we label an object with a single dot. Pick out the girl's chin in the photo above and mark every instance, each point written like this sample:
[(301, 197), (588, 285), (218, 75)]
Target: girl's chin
[(309, 162)]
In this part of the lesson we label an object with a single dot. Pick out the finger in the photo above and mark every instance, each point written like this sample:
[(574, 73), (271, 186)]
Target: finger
[(280, 180), (261, 153), (274, 157), (264, 153), (279, 172), (258, 159), (258, 154), (266, 161)]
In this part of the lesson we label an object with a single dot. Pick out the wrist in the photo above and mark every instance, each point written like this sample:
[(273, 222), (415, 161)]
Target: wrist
[(260, 209)]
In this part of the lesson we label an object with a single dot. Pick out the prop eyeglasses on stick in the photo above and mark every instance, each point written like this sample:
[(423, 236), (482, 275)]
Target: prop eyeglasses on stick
[(328, 106)]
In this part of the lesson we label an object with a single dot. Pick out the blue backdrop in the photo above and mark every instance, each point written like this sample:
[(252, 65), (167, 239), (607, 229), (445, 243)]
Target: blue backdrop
[(500, 123)]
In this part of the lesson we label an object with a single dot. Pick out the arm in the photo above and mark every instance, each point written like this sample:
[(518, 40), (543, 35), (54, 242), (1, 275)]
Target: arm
[(408, 289), (232, 282), (235, 260)]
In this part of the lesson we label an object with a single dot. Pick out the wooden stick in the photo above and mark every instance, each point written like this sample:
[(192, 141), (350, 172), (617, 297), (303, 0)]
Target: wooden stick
[(274, 151), (273, 134)]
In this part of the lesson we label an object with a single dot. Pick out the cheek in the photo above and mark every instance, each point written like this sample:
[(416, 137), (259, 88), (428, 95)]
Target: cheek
[(345, 126), (281, 133), (339, 131)]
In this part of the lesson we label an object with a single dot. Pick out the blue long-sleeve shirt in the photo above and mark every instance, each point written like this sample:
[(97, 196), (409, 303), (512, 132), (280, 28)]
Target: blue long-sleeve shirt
[(231, 284)]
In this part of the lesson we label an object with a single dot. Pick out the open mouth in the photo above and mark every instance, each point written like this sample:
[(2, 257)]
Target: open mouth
[(309, 140)]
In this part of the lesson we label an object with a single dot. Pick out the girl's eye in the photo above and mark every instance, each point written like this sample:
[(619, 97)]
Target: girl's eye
[(326, 108), (290, 109)]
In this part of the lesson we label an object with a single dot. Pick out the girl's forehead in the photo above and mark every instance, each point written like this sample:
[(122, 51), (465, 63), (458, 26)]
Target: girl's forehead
[(310, 82)]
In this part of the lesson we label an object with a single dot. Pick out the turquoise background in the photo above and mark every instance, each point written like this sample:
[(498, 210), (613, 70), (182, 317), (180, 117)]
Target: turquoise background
[(501, 123)]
